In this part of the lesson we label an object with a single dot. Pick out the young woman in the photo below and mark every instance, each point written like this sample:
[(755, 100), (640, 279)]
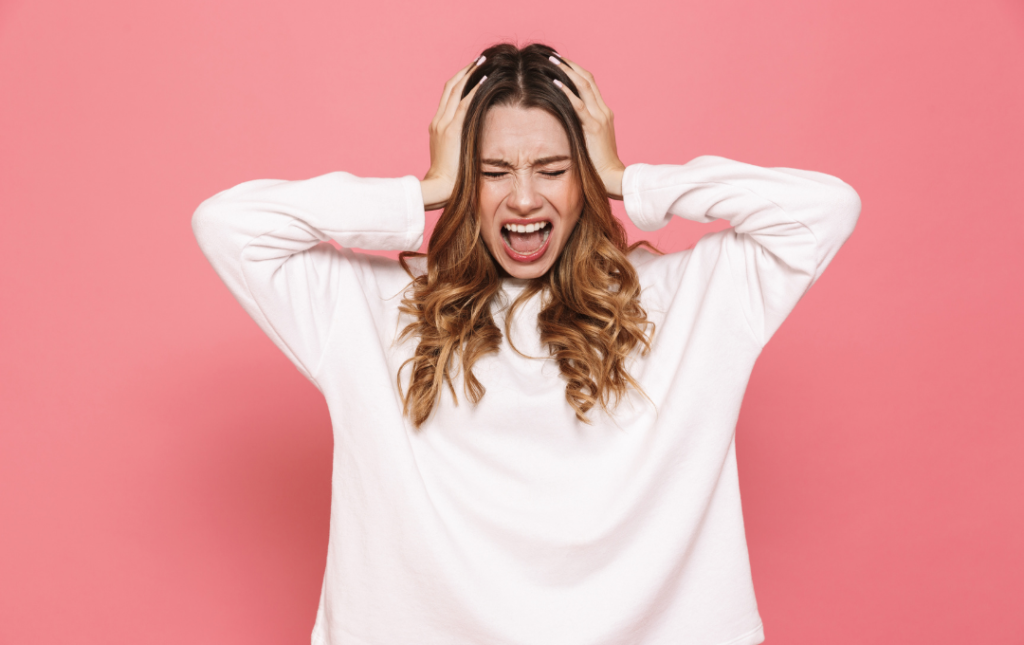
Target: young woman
[(534, 422)]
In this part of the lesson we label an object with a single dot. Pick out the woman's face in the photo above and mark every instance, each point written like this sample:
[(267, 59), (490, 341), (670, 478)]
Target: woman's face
[(530, 199)]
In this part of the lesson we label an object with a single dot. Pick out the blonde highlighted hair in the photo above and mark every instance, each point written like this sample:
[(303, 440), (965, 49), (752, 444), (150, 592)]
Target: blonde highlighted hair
[(591, 319)]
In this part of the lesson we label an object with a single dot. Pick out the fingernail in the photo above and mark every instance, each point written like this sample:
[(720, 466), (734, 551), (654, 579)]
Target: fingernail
[(480, 60), (482, 80), (554, 60), (557, 54), (558, 82)]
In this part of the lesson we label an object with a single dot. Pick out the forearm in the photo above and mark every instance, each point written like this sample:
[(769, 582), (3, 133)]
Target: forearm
[(436, 194), (613, 182), (776, 207), (369, 213), (264, 237)]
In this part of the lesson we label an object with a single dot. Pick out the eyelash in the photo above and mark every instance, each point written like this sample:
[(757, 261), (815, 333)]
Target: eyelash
[(499, 174)]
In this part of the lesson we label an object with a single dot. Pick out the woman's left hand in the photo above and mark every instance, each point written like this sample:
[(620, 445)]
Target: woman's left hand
[(598, 125)]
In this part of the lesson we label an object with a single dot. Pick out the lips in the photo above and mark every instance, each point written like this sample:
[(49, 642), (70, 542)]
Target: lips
[(526, 240)]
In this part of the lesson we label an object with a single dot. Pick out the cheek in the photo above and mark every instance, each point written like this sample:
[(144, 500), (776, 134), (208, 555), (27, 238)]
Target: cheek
[(486, 217), (570, 203), (486, 209), (488, 204)]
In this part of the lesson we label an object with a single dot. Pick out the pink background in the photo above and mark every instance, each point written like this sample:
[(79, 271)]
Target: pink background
[(165, 472)]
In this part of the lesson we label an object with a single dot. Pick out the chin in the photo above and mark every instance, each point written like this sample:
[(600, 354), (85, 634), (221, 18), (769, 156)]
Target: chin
[(527, 272)]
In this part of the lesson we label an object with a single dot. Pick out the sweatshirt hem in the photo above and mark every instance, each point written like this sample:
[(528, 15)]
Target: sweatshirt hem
[(753, 637)]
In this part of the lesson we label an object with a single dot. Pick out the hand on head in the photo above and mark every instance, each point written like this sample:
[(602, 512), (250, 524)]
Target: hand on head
[(598, 124), (445, 137), (445, 130)]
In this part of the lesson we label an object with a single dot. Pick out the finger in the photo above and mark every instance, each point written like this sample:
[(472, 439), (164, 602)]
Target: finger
[(579, 69), (450, 84), (460, 113), (456, 100), (586, 85), (585, 103), (577, 103), (447, 91), (455, 95)]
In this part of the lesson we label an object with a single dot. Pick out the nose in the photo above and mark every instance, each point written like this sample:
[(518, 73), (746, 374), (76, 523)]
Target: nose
[(524, 198)]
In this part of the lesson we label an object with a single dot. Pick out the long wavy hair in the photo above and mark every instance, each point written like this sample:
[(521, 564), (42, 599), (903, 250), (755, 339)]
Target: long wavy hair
[(591, 318)]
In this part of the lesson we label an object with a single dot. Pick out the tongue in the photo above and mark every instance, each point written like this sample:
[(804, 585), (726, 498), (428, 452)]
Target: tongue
[(525, 243)]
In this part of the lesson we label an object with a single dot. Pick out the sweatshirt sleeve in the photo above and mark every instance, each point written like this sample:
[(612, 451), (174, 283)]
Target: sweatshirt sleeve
[(787, 225), (263, 238)]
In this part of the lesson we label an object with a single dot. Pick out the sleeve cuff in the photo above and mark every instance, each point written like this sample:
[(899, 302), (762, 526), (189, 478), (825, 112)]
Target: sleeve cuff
[(416, 215), (632, 199)]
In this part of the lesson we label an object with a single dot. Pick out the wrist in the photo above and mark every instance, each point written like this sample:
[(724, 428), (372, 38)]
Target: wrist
[(613, 181), (436, 193)]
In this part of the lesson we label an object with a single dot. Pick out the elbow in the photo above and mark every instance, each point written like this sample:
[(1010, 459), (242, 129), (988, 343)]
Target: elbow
[(837, 209), (216, 214), (833, 206), (845, 207), (206, 222)]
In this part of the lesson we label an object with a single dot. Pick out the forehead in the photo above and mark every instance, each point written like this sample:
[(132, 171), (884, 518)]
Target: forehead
[(520, 135)]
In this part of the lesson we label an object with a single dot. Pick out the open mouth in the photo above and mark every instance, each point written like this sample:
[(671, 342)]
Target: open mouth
[(526, 242)]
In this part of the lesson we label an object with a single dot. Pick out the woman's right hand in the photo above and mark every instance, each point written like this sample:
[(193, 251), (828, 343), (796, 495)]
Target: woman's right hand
[(445, 139)]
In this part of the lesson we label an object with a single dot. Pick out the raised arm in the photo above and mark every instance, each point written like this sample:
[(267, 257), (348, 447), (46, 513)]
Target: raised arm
[(787, 224), (264, 237)]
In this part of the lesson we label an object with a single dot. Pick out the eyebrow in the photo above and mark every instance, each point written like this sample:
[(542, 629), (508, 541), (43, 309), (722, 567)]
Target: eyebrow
[(539, 162)]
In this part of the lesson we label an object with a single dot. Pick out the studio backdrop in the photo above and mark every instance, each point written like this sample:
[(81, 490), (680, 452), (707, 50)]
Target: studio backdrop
[(165, 471)]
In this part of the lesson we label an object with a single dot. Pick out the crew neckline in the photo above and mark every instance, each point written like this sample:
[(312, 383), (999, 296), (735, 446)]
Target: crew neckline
[(515, 284)]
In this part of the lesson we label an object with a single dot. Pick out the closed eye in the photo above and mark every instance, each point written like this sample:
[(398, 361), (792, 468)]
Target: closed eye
[(555, 173)]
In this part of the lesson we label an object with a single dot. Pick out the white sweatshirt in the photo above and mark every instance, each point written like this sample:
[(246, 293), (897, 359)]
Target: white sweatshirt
[(511, 523)]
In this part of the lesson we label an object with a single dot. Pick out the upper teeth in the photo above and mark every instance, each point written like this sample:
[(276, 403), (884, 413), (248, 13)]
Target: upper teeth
[(525, 228)]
